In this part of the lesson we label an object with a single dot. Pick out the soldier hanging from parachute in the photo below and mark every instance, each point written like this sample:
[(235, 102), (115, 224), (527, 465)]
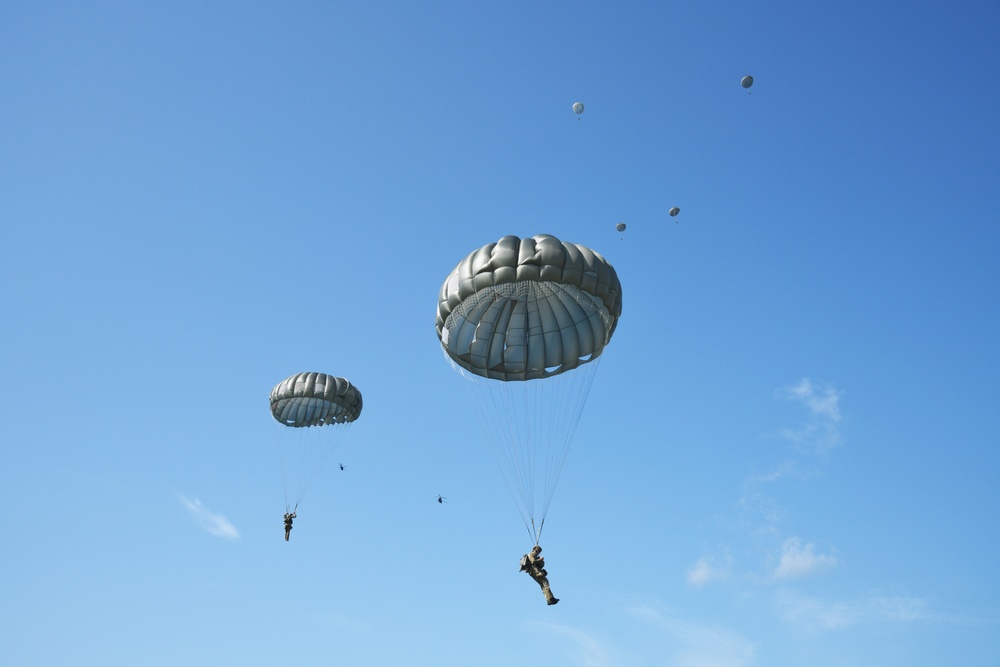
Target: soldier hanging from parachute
[(317, 409), (534, 564), (525, 321)]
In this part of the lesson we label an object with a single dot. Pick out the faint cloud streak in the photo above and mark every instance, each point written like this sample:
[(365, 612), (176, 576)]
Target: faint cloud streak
[(699, 645), (821, 433), (705, 571), (821, 401), (813, 614), (798, 560), (587, 651), (816, 615), (214, 524)]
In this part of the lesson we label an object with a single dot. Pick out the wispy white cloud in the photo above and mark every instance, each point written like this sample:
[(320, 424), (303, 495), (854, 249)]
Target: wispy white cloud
[(215, 524), (822, 401), (784, 469), (821, 432), (798, 560), (814, 614), (696, 645), (761, 507), (706, 570), (585, 649), (760, 515)]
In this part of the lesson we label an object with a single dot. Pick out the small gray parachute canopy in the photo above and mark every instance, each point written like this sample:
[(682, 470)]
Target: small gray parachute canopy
[(315, 399), (747, 81), (578, 108), (523, 309), (620, 227)]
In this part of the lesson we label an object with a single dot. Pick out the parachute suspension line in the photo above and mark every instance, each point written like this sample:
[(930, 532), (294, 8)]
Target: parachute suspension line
[(304, 453), (530, 424), (527, 434), (574, 308), (536, 533), (280, 446), (494, 403), (573, 402), (319, 453), (513, 446)]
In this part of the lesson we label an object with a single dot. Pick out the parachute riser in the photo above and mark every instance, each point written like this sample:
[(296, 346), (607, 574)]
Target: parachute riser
[(536, 534)]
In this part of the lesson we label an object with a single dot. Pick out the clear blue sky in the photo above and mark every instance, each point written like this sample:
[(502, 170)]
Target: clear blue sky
[(790, 452)]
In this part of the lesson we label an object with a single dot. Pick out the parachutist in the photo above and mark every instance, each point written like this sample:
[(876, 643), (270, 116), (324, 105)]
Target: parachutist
[(288, 524), (316, 409), (558, 306), (441, 499), (342, 467), (534, 564)]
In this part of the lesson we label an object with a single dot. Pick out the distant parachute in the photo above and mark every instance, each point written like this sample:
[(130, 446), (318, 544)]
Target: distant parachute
[(315, 399), (525, 322), (747, 81), (620, 227), (674, 211), (316, 410), (578, 108)]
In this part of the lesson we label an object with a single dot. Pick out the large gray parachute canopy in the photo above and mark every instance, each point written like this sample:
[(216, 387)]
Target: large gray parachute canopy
[(746, 81), (523, 309), (315, 399)]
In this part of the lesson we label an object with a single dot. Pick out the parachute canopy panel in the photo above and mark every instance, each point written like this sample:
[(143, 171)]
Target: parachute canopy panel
[(523, 309), (315, 399)]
